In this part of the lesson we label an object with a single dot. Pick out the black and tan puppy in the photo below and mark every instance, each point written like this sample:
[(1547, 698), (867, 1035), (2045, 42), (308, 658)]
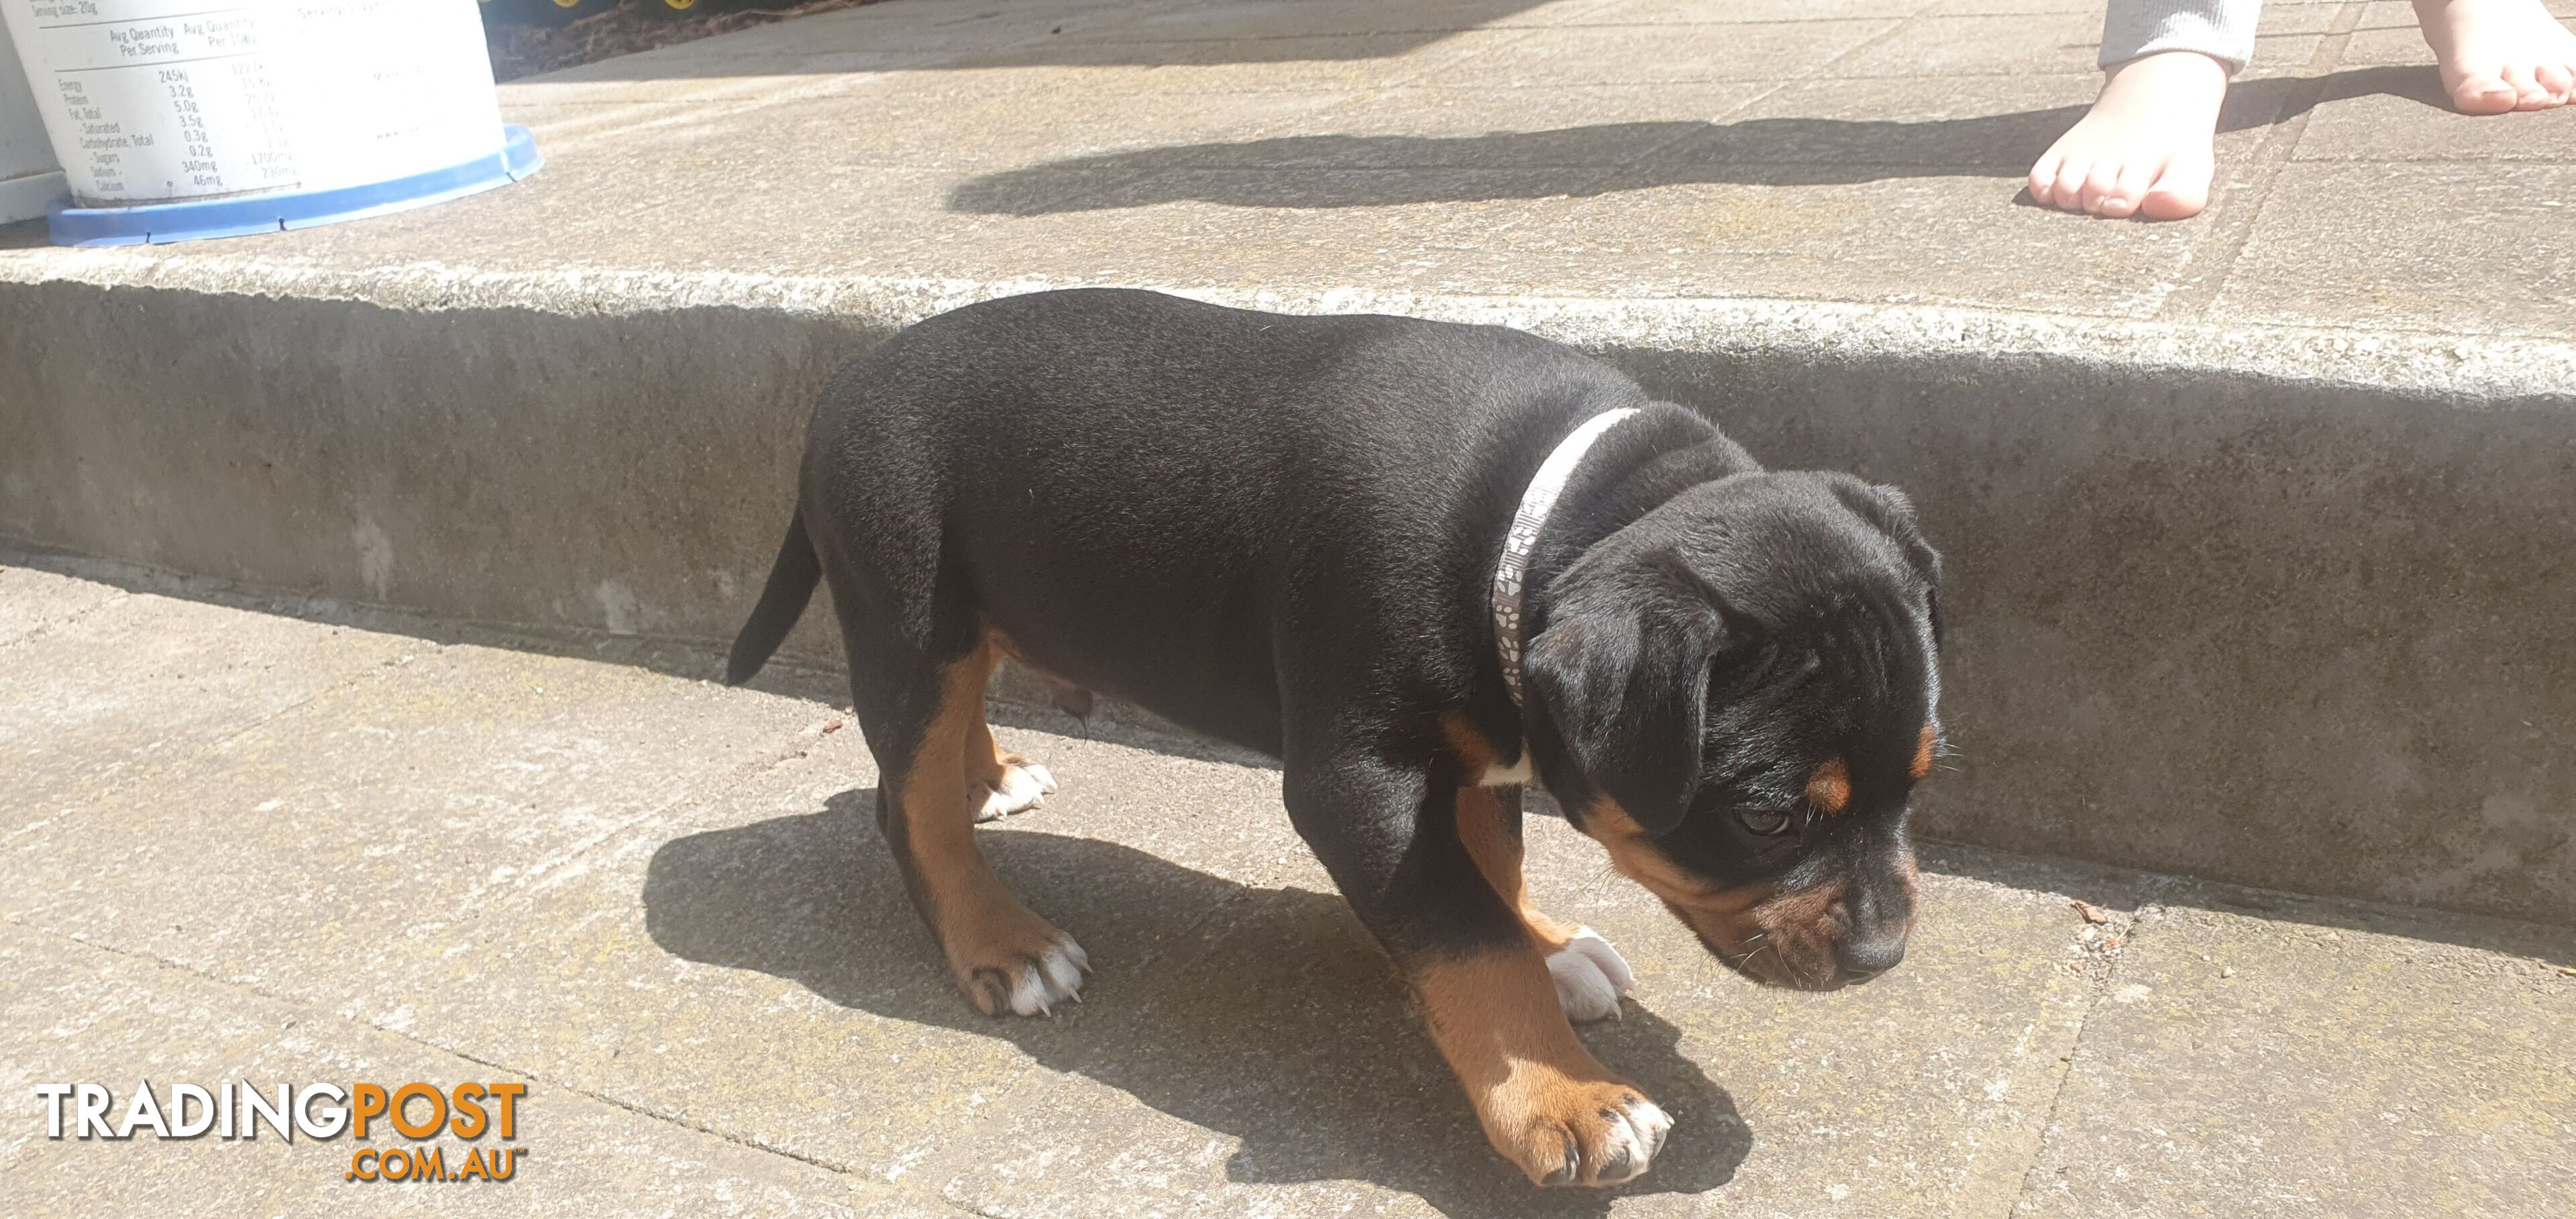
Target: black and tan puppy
[(1420, 564)]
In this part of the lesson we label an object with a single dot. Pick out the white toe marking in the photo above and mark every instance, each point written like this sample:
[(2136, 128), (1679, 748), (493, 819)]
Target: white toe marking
[(1029, 997), (1590, 976), (1656, 1122), (1022, 788), (1647, 1126), (1599, 952), (1624, 1135), (1063, 976), (1057, 978)]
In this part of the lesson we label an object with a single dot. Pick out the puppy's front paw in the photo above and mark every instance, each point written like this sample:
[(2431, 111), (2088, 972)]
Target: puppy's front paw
[(1589, 1133), (1024, 975), (1590, 976), (1022, 785)]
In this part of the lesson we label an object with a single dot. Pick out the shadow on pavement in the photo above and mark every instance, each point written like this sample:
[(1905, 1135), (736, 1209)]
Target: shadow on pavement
[(24, 235), (1264, 1014), (1298, 171)]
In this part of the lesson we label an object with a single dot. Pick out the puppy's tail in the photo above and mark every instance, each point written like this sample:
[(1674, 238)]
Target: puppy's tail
[(782, 602)]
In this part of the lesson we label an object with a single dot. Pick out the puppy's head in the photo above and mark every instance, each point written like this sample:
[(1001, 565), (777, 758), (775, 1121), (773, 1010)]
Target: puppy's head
[(1735, 694)]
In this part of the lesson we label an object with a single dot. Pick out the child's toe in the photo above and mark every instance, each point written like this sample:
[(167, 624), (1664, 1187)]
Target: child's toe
[(2527, 94), (2484, 93), (2070, 183), (2558, 79), (2098, 186), (2130, 190), (2180, 192), (2043, 179)]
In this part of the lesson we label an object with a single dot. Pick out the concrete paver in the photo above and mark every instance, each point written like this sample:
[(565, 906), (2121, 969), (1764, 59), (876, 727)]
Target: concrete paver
[(355, 825), (2338, 281), (2277, 1066), (664, 906), (1756, 236), (1999, 125), (31, 601), (1433, 127), (1615, 54), (980, 124), (111, 686)]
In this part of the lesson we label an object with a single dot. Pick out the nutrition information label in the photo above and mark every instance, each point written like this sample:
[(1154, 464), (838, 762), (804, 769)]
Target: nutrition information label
[(167, 99)]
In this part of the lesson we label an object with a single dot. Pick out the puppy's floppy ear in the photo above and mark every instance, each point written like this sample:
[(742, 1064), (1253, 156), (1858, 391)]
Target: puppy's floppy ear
[(1893, 514), (1624, 690)]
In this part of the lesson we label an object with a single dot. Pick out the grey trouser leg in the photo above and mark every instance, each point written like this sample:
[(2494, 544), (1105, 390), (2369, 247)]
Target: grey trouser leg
[(2220, 29)]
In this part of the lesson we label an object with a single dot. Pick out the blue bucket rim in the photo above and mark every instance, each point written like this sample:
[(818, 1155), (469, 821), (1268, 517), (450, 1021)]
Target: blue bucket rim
[(156, 223)]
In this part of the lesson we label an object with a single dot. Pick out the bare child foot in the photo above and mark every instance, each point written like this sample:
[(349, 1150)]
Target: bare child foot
[(2500, 55), (2144, 148)]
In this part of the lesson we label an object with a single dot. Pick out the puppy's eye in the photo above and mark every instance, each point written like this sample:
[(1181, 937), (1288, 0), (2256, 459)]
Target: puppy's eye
[(1769, 823)]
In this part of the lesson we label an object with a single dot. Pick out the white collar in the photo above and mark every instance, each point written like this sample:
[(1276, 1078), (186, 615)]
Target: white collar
[(1536, 503)]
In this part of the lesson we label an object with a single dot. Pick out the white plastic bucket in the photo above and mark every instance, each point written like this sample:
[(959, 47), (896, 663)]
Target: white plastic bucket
[(29, 179), (162, 102)]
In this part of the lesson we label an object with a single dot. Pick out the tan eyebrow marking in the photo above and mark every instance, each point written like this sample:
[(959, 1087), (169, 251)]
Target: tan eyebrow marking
[(1923, 755), (1829, 789)]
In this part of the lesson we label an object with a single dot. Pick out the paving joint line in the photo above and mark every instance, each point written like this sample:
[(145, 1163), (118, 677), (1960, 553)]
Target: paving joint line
[(2108, 974), (2211, 260), (1777, 85)]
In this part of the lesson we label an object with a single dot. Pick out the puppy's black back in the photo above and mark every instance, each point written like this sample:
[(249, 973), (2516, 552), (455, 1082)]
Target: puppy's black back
[(1173, 501)]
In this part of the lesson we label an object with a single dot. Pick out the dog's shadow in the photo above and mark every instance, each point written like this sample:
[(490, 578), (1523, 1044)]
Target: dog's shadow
[(1264, 1014)]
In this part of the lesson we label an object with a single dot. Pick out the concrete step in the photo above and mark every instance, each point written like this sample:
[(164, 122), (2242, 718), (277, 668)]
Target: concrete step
[(2258, 526), (247, 845)]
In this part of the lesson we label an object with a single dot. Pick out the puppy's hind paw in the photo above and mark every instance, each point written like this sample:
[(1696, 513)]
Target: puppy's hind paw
[(1022, 786), (1590, 976)]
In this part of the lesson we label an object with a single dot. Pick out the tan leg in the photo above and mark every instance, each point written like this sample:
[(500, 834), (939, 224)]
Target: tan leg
[(1002, 956), (1546, 1104), (1587, 973)]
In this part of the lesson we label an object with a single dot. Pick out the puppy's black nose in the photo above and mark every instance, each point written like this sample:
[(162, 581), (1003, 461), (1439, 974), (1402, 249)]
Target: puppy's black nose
[(1863, 958)]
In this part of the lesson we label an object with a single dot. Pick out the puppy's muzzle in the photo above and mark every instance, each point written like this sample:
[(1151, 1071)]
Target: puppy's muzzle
[(1805, 939)]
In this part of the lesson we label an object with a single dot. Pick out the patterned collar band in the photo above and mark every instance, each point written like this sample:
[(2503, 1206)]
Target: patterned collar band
[(1536, 503)]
